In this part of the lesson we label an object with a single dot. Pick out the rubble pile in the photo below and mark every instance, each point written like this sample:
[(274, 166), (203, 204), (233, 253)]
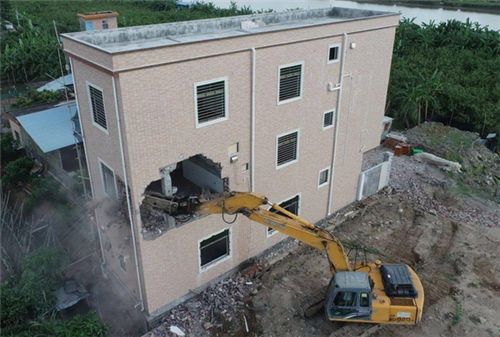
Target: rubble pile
[(480, 166), (431, 190), (217, 307)]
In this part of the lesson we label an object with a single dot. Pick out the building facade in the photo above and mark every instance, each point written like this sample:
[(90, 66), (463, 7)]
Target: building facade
[(284, 104)]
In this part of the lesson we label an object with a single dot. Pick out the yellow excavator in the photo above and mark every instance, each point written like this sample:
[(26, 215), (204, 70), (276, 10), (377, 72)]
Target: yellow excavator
[(362, 292)]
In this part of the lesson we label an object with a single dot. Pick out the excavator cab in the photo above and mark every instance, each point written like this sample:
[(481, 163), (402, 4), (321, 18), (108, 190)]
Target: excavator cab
[(349, 296)]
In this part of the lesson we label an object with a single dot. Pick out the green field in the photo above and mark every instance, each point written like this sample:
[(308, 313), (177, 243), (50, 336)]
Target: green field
[(132, 13)]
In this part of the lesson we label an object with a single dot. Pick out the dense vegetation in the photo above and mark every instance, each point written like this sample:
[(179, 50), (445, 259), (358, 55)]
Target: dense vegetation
[(28, 301), (447, 72), (31, 53)]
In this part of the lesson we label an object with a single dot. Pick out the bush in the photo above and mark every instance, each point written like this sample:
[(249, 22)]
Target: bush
[(34, 97), (8, 150), (28, 301), (18, 171), (44, 188)]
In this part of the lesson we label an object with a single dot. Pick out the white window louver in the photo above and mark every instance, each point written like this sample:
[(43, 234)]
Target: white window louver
[(290, 82), (211, 101), (287, 148), (97, 105)]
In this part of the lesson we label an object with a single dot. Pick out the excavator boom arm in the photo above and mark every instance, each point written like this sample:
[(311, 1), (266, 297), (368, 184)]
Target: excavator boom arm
[(278, 218)]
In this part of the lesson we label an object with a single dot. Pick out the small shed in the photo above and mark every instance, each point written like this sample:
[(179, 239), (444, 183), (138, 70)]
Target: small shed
[(52, 136), (98, 20)]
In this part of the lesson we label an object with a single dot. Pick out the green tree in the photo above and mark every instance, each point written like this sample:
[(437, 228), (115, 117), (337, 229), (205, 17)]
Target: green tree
[(17, 171), (28, 301)]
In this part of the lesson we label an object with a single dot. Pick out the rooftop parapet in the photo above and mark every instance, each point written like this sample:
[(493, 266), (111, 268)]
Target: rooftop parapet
[(142, 37)]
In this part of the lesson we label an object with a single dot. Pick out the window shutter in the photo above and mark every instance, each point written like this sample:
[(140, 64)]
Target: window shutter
[(290, 82), (287, 148), (211, 101), (97, 105)]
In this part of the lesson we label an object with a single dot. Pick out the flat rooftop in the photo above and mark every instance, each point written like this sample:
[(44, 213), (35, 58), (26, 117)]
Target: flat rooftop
[(166, 34)]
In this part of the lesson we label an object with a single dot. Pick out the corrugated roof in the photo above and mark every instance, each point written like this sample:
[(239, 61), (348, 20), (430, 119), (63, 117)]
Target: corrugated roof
[(57, 84), (51, 129)]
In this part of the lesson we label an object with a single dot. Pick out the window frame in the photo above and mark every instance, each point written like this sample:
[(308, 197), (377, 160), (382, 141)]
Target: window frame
[(293, 99), (333, 111), (276, 152), (219, 260), (226, 101), (337, 60), (101, 163), (91, 107), (105, 22), (274, 231), (328, 177)]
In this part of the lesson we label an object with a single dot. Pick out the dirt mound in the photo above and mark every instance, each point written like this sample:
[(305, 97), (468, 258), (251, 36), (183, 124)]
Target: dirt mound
[(481, 167)]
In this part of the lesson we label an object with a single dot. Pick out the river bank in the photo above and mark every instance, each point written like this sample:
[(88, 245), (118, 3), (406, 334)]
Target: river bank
[(492, 7)]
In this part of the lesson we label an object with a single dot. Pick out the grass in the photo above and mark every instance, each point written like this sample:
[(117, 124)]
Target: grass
[(457, 316), (131, 13)]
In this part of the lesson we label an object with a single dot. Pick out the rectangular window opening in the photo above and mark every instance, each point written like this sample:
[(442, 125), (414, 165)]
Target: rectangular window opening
[(291, 205), (211, 102), (290, 82), (108, 181), (97, 106), (214, 248), (287, 148), (324, 177), (328, 119), (333, 54)]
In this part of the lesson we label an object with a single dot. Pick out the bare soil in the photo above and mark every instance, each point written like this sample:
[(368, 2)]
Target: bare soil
[(452, 239)]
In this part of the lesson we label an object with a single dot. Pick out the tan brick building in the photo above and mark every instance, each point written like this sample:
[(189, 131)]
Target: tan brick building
[(284, 104)]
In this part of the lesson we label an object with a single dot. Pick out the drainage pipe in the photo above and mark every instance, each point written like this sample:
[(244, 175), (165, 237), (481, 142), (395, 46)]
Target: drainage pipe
[(81, 127), (337, 123), (252, 126), (127, 194)]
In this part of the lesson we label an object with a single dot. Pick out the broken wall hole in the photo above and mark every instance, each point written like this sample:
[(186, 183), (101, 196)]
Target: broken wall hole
[(195, 177)]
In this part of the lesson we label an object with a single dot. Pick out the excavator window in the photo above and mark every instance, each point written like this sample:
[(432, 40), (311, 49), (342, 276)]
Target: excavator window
[(364, 300), (345, 299)]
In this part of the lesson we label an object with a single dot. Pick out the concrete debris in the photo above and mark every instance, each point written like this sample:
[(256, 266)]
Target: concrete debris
[(445, 164), (175, 329)]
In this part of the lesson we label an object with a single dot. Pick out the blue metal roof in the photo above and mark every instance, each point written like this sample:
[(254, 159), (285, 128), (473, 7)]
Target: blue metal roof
[(51, 129)]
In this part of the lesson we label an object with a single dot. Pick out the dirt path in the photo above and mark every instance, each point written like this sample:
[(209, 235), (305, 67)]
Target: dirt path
[(451, 239)]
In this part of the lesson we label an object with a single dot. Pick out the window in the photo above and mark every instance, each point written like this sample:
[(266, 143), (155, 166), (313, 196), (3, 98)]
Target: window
[(287, 148), (334, 53), (345, 299), (290, 82), (97, 107), (328, 119), (364, 300), (211, 102), (108, 181), (105, 24), (324, 177), (291, 205), (214, 248), (89, 25)]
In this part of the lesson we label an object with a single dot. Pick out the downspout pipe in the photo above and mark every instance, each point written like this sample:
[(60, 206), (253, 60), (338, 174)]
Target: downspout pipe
[(81, 127), (127, 194), (337, 124), (252, 123)]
